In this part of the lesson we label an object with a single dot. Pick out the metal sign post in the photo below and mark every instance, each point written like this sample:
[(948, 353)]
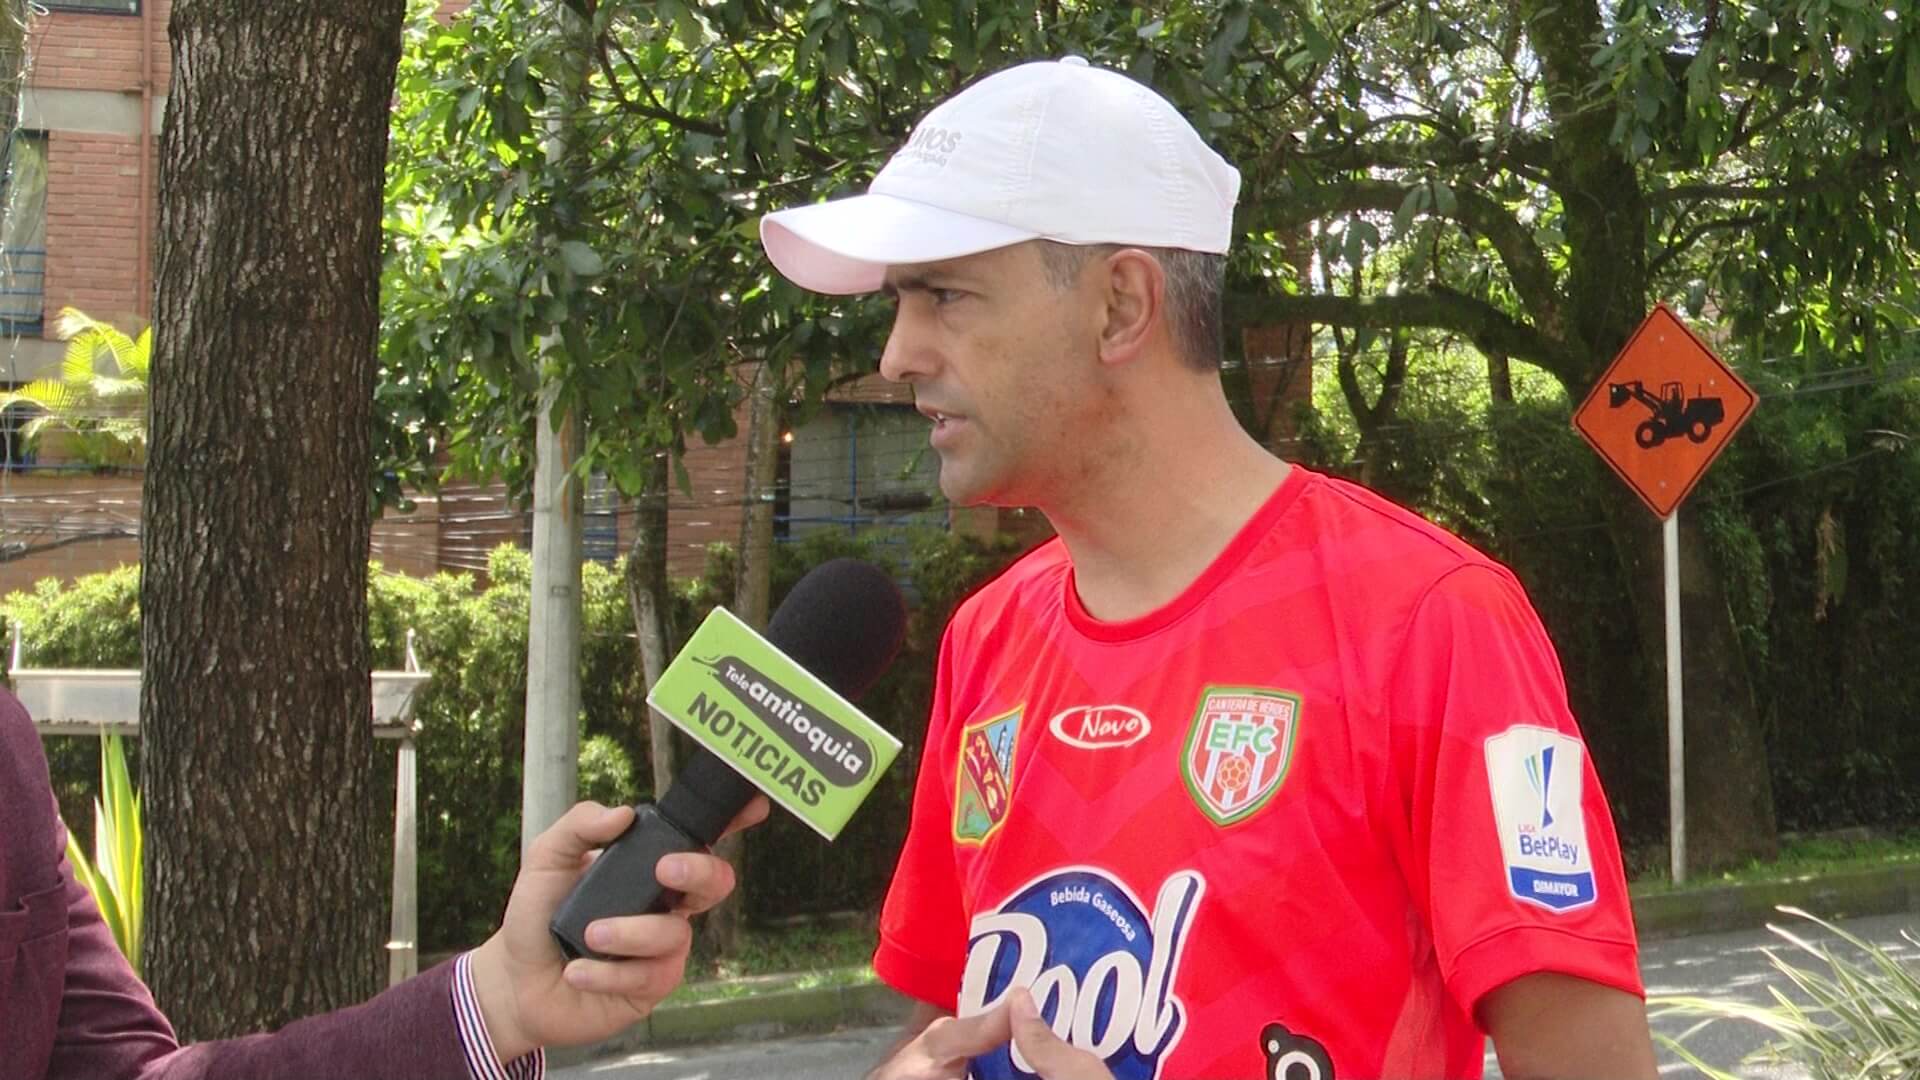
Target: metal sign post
[(1661, 443), (1676, 727)]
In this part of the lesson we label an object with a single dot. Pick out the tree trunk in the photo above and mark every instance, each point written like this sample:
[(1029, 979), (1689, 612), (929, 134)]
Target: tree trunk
[(1729, 790), (13, 64), (647, 597), (1374, 419), (1499, 378), (752, 588), (1729, 797), (265, 899)]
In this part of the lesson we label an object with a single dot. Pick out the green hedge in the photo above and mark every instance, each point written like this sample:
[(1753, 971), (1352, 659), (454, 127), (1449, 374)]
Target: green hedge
[(472, 636)]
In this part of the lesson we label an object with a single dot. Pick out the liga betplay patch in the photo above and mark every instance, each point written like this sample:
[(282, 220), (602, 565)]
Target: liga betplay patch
[(776, 724), (1535, 774)]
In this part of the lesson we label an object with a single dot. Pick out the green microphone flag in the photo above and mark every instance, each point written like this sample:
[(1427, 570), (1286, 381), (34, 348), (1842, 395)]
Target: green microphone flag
[(773, 723)]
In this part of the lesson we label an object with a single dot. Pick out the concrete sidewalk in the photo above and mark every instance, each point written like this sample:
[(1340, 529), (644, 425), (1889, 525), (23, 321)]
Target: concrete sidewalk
[(774, 1007)]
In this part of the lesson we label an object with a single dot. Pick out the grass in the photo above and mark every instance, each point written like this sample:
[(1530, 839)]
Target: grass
[(796, 957), (1804, 857), (728, 989)]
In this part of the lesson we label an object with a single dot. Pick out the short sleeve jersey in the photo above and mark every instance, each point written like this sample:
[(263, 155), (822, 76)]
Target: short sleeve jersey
[(1296, 823)]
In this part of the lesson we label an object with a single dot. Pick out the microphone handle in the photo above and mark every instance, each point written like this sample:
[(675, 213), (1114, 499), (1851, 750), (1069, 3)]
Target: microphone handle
[(689, 817)]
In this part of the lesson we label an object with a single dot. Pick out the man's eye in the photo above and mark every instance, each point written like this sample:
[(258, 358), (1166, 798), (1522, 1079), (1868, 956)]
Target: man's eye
[(944, 296)]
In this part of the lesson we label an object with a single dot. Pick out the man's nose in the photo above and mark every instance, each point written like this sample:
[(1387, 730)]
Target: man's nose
[(905, 358)]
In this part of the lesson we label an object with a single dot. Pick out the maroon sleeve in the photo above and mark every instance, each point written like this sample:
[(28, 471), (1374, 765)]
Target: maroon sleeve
[(72, 1009)]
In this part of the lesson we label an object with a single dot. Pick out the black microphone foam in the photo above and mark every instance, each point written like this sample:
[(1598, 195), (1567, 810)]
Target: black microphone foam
[(844, 622)]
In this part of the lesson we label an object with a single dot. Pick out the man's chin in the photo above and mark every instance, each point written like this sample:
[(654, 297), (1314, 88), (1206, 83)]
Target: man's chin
[(960, 493)]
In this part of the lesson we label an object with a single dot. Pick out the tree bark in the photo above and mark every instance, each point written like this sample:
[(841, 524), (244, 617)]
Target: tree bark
[(1499, 378), (1729, 792), (647, 598), (13, 64), (1372, 420), (264, 888), (752, 591)]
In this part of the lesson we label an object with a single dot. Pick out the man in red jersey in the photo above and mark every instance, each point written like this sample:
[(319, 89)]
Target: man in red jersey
[(1249, 772)]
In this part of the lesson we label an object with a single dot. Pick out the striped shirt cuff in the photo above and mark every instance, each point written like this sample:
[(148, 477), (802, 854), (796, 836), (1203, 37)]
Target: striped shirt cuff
[(482, 1062)]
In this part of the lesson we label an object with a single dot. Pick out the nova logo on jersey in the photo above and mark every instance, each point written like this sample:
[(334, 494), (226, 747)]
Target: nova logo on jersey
[(1100, 727), (1534, 774), (1100, 967), (1238, 750), (985, 782)]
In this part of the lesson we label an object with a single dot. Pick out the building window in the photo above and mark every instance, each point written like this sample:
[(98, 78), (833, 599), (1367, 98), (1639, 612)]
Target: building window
[(864, 470), (23, 234), (95, 7), (600, 525)]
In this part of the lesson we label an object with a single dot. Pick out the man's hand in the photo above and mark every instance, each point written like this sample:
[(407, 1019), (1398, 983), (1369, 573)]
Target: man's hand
[(532, 996), (942, 1050)]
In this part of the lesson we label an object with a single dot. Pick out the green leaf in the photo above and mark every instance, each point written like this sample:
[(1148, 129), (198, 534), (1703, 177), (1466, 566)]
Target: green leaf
[(1913, 73), (581, 258), (1220, 50), (1410, 207), (1443, 200)]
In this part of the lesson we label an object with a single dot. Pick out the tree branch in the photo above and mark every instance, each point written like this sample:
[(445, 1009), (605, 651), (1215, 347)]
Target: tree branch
[(1675, 248), (654, 109), (1533, 279), (1523, 154), (1862, 168), (1489, 328)]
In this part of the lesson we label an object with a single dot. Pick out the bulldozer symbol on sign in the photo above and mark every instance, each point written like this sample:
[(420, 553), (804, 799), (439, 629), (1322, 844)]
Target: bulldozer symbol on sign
[(1674, 414)]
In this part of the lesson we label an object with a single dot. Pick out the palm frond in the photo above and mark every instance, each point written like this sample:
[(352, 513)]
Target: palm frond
[(51, 395), (1860, 1020)]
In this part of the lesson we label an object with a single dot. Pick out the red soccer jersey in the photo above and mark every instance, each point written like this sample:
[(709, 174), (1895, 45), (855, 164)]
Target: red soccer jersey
[(1306, 814)]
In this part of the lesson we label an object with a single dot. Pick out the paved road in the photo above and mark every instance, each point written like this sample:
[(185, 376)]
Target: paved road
[(1728, 966)]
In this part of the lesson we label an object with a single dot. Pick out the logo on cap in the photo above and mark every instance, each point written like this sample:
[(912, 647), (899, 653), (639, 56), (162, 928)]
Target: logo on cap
[(930, 144)]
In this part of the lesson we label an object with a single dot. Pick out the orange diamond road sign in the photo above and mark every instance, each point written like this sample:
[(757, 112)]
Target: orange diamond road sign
[(1663, 411)]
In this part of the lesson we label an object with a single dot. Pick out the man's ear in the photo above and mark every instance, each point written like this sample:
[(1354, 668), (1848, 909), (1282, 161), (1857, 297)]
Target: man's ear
[(1134, 292)]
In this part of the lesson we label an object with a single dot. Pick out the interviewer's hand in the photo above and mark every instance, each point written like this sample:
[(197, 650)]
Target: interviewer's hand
[(532, 996), (942, 1050)]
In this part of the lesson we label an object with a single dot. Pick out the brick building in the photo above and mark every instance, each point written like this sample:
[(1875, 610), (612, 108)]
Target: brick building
[(80, 202)]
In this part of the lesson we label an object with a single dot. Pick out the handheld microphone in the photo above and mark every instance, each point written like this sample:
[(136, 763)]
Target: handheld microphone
[(843, 622)]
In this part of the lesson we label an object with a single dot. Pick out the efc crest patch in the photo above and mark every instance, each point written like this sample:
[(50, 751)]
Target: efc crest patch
[(985, 782), (1238, 750), (1535, 776)]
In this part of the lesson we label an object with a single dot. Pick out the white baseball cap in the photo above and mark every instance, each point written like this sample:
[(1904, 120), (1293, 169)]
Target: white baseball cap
[(1054, 150)]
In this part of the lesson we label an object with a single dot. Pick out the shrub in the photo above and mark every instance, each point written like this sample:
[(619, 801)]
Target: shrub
[(471, 634), (114, 875)]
